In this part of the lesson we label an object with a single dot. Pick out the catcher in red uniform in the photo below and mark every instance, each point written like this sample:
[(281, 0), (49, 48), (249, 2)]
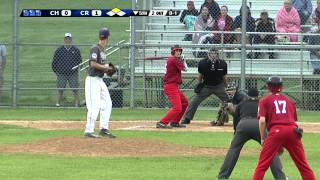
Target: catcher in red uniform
[(172, 80), (278, 114)]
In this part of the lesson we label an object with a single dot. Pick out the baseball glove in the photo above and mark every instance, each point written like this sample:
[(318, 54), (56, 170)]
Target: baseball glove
[(111, 70)]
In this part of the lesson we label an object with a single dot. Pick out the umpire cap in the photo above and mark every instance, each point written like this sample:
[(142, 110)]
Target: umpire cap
[(104, 33)]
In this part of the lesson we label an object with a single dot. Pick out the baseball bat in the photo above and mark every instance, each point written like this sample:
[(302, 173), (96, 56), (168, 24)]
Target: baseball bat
[(155, 57)]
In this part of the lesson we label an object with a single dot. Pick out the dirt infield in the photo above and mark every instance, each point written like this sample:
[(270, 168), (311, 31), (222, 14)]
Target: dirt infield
[(196, 126), (121, 147)]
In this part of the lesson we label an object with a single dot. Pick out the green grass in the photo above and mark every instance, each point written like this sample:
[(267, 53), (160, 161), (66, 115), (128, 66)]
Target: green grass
[(117, 114), (34, 64), (30, 166)]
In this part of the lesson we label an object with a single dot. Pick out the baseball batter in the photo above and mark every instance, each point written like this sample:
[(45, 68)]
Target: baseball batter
[(278, 113), (96, 92)]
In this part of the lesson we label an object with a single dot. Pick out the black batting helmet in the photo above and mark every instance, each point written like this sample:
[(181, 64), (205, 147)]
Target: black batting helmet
[(104, 33), (274, 84), (174, 48)]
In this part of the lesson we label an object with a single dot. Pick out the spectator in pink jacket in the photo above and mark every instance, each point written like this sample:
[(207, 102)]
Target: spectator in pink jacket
[(288, 20)]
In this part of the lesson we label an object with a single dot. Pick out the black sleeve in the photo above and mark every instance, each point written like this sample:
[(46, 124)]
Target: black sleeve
[(55, 61), (225, 68), (236, 117), (94, 53), (79, 58), (201, 67), (183, 14)]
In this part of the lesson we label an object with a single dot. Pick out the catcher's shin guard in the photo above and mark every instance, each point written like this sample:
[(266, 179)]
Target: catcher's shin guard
[(222, 116)]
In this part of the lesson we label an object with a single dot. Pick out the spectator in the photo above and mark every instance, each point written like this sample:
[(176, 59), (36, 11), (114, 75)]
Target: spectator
[(316, 15), (288, 21), (213, 7), (264, 24), (213, 75), (190, 11), (222, 23), (3, 60), (203, 22), (188, 17), (65, 58), (304, 8), (315, 53), (250, 27)]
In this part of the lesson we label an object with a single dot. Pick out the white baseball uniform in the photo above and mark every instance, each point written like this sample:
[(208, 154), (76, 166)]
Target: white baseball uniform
[(97, 94)]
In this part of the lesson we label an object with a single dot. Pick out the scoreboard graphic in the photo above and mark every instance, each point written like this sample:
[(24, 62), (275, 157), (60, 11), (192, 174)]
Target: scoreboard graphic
[(115, 12)]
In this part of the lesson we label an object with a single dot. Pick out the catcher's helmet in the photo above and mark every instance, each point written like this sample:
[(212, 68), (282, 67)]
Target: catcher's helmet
[(104, 33), (274, 84), (175, 48)]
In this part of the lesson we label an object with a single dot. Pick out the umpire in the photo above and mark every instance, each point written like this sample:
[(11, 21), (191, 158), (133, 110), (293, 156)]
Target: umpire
[(213, 76), (246, 127), (64, 59)]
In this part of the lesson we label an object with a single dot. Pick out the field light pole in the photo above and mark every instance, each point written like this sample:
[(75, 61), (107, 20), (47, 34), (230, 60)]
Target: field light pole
[(132, 56), (244, 15), (15, 41)]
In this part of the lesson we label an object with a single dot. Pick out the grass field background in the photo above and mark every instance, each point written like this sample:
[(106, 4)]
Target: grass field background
[(34, 66), (28, 166), (35, 72)]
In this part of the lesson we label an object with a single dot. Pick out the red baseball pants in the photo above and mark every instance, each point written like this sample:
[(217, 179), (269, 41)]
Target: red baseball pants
[(284, 136), (178, 101)]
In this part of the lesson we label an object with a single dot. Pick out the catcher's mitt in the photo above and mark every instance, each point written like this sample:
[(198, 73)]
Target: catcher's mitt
[(111, 70)]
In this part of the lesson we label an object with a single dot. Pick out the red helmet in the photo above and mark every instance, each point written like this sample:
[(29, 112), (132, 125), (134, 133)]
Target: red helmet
[(274, 84), (175, 48)]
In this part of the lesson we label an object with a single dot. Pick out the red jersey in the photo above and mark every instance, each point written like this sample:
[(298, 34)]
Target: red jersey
[(278, 110), (174, 66)]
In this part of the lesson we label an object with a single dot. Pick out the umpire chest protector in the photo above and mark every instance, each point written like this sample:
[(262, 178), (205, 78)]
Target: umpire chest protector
[(212, 71)]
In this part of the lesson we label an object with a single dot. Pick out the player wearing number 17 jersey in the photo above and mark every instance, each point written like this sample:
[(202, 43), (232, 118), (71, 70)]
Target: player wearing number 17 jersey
[(278, 114)]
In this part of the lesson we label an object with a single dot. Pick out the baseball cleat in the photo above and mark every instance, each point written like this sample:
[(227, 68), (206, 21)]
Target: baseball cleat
[(106, 133), (177, 125), (185, 121), (91, 135), (216, 123), (163, 125)]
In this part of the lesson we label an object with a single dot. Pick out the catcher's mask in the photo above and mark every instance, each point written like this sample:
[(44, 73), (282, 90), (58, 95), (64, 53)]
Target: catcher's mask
[(175, 48), (231, 89)]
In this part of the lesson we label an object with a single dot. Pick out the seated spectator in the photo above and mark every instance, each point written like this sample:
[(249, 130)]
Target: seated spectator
[(250, 27), (188, 17), (304, 8), (213, 7), (288, 21), (222, 23), (315, 53), (203, 22), (264, 24), (315, 20)]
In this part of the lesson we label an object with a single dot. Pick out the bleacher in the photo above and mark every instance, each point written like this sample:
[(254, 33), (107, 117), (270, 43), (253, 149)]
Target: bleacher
[(286, 62)]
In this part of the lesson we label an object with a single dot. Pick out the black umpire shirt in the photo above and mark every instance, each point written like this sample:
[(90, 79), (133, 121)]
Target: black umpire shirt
[(212, 71), (246, 109), (97, 54)]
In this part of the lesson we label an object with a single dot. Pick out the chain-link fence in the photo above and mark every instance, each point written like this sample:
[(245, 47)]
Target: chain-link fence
[(265, 47)]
